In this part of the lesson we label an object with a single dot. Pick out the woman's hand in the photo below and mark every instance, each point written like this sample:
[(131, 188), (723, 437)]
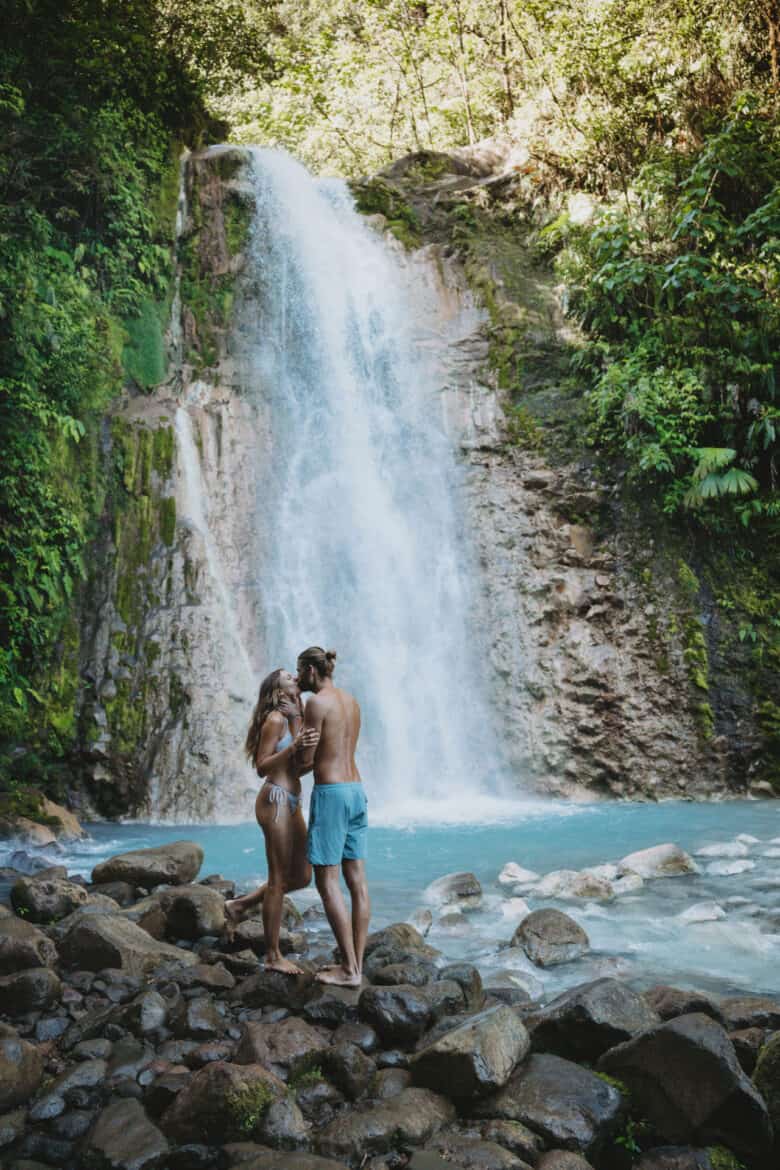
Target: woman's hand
[(307, 738)]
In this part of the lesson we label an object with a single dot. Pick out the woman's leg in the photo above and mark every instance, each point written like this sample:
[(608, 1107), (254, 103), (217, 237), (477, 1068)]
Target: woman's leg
[(276, 821), (236, 908)]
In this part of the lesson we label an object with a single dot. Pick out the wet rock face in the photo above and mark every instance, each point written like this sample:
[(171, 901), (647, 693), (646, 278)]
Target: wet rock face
[(410, 1118), (23, 945), (550, 937), (175, 863), (685, 1077), (47, 899), (21, 1069), (106, 940), (582, 1024), (475, 1059)]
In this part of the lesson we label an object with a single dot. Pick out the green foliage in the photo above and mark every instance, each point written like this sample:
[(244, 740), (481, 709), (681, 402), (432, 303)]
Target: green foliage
[(679, 293), (94, 99), (248, 1106), (522, 429), (309, 1076), (723, 1159)]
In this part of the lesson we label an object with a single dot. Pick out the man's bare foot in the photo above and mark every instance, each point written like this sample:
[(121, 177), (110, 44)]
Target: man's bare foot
[(338, 976), (283, 965)]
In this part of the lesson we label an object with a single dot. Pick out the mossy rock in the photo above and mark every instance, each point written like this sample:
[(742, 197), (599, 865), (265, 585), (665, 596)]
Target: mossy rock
[(766, 1078)]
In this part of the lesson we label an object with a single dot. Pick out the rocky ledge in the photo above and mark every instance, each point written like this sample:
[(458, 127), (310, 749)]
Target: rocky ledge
[(139, 1033)]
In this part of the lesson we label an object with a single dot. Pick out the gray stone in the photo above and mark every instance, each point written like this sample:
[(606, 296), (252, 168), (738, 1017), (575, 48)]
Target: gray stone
[(659, 861), (565, 1104), (123, 893), (766, 1078), (671, 1002), (288, 1046), (21, 1069), (400, 934), (417, 973), (146, 1013), (193, 912), (35, 990), (43, 899), (272, 988), (108, 940), (563, 1160), (279, 1160), (685, 1078), (514, 1136), (176, 863), (12, 1127), (411, 1118), (23, 946), (474, 1153), (349, 1069), (200, 1020), (674, 1158), (389, 1082), (124, 1138), (751, 1011), (550, 937), (475, 1059), (469, 980), (399, 1014), (461, 890), (219, 1100), (283, 1126), (583, 1023)]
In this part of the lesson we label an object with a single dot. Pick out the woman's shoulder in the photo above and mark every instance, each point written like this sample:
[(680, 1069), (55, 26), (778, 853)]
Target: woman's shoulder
[(276, 720)]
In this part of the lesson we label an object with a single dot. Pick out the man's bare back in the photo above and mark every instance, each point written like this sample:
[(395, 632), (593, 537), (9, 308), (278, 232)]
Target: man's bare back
[(335, 714)]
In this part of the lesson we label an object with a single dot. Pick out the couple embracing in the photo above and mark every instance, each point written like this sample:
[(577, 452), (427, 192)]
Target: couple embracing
[(284, 742)]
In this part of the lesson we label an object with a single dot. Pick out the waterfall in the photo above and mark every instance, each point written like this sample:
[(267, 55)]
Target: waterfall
[(358, 497)]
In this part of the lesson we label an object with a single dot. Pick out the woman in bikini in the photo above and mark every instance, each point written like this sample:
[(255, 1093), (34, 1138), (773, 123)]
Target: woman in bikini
[(275, 744)]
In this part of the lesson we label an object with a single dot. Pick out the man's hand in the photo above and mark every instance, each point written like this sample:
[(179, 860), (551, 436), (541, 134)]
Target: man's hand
[(290, 708)]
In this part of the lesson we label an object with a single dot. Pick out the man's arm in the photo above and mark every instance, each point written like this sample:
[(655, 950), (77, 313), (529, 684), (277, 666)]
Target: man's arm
[(313, 718)]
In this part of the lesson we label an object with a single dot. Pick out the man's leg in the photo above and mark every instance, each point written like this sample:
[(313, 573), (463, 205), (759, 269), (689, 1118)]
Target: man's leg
[(355, 877), (329, 887)]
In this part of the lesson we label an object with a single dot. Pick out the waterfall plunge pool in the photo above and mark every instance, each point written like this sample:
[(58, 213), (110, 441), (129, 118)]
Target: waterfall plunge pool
[(638, 937)]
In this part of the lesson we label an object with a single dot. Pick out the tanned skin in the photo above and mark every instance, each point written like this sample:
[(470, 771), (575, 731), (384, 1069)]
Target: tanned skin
[(284, 832), (335, 715)]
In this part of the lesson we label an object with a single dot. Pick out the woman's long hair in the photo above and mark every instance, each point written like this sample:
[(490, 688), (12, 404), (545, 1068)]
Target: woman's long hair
[(268, 700)]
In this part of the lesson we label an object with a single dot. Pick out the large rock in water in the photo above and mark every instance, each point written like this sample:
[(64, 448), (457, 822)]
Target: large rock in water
[(410, 1119), (659, 861), (475, 1059), (23, 946), (566, 1105), (107, 940), (550, 937), (21, 1068), (174, 864), (123, 1138), (43, 899), (684, 1076), (583, 1023), (455, 889)]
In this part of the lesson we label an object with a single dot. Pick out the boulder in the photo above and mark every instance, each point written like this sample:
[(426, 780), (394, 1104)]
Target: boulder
[(766, 1078), (469, 980), (221, 1101), (515, 909), (671, 1002), (565, 1104), (389, 1082), (514, 1136), (399, 1013), (569, 883), (583, 1023), (42, 899), (475, 1059), (12, 1127), (514, 875), (659, 861), (550, 937), (21, 1069), (22, 946), (192, 912), (148, 914), (416, 973), (200, 1020), (146, 1013), (684, 1077), (284, 1047), (108, 940), (349, 1069), (121, 892), (250, 934), (461, 890), (474, 1153), (400, 934), (68, 828), (274, 989), (563, 1160), (124, 1138), (748, 1042), (751, 1011), (176, 863), (211, 976), (35, 990), (283, 1126), (333, 1006), (674, 1158), (279, 1160), (409, 1119)]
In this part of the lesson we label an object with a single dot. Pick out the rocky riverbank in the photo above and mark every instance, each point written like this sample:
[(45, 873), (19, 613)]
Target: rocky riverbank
[(138, 1032)]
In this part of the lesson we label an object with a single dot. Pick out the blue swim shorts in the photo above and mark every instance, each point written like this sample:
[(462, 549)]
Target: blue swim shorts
[(338, 823)]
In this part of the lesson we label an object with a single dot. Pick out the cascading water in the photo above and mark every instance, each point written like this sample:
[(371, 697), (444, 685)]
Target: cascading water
[(358, 497)]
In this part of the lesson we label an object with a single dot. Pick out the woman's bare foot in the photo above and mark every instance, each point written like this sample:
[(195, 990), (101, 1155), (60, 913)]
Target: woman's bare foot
[(338, 976), (233, 911), (283, 965)]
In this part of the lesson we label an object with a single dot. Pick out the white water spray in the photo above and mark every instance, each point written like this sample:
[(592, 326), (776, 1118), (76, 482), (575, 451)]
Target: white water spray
[(359, 494)]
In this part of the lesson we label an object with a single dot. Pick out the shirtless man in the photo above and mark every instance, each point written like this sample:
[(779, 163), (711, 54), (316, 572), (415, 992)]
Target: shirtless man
[(338, 820)]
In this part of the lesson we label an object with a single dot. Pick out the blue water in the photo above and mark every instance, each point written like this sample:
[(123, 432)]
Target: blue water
[(639, 937)]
